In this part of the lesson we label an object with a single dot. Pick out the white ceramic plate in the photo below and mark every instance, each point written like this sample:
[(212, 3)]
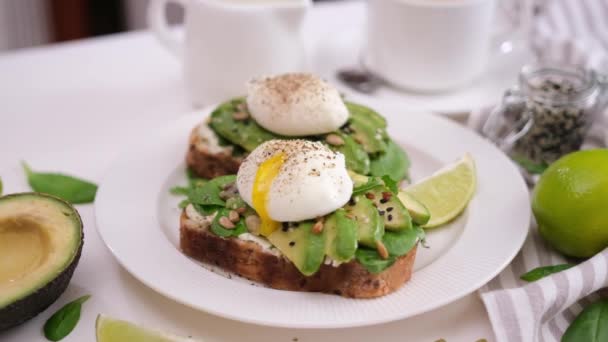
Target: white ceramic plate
[(138, 221)]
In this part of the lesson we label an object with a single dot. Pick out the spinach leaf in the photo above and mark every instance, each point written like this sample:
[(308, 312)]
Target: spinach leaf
[(206, 210), (179, 190), (64, 320), (591, 325), (399, 243), (69, 188), (194, 180), (390, 184), (372, 262), (183, 204), (372, 182), (209, 193), (544, 271), (218, 230)]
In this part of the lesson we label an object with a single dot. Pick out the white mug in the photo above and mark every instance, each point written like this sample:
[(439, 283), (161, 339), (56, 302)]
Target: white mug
[(227, 42), (430, 45)]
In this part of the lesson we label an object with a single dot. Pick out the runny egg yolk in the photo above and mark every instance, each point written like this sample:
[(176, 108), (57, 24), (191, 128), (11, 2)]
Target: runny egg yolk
[(267, 171)]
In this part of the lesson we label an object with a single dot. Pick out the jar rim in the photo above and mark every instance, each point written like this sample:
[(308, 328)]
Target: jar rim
[(587, 77)]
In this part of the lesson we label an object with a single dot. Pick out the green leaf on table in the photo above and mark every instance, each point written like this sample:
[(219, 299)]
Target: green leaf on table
[(390, 184), (69, 188), (544, 271), (529, 165), (591, 325), (64, 320)]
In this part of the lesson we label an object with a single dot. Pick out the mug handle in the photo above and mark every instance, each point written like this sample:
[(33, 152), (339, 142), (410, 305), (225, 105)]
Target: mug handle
[(157, 21), (502, 134)]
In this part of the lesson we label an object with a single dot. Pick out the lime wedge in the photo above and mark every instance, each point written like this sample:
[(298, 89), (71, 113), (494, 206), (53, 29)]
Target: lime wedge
[(447, 192), (113, 330)]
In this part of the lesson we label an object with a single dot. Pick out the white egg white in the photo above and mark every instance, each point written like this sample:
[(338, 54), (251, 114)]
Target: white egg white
[(312, 181), (296, 104)]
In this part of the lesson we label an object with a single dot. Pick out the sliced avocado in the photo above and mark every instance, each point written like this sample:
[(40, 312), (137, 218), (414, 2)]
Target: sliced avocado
[(341, 236), (41, 240), (354, 154), (245, 133), (370, 227), (394, 162), (419, 213), (305, 249), (374, 118), (390, 208), (367, 128), (358, 180)]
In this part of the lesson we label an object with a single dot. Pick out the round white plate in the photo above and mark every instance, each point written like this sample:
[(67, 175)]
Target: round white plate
[(138, 220)]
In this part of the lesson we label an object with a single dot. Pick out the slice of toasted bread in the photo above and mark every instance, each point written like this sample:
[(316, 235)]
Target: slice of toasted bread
[(206, 158), (250, 260)]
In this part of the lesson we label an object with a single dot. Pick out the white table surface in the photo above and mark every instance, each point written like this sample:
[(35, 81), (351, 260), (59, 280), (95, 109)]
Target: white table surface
[(72, 108)]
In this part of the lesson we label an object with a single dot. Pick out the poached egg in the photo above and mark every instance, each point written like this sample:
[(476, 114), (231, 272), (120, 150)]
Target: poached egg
[(293, 180), (296, 104)]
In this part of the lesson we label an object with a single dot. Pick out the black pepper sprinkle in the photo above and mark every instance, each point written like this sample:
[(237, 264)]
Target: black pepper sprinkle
[(389, 209), (390, 217), (292, 243), (384, 200), (381, 212), (351, 201)]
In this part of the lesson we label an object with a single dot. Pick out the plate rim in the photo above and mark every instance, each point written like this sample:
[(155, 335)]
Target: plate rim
[(307, 325)]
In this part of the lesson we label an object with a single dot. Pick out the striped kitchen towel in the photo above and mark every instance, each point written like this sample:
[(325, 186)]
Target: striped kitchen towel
[(573, 31)]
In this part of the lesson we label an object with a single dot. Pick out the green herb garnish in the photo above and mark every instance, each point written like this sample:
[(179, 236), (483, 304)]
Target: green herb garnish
[(71, 189), (591, 325), (390, 184), (542, 272), (372, 182), (64, 320)]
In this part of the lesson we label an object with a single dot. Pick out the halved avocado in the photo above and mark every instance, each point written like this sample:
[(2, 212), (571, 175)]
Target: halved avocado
[(41, 240)]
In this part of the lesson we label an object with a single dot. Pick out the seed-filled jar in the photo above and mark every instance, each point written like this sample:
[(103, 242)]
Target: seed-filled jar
[(547, 115)]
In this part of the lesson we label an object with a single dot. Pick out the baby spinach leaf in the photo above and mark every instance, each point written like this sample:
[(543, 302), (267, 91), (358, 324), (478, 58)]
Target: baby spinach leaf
[(372, 262), (64, 320), (218, 230), (194, 180), (183, 204), (390, 184), (71, 189), (591, 325), (372, 182), (399, 243), (179, 190), (544, 271)]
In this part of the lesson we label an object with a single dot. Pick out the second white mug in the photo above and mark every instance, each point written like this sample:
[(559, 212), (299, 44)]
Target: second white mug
[(429, 45)]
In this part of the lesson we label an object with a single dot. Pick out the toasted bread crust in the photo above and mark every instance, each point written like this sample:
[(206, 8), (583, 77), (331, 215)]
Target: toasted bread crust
[(207, 164), (249, 260)]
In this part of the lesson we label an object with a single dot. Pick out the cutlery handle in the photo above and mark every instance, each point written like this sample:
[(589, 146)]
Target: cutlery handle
[(157, 21)]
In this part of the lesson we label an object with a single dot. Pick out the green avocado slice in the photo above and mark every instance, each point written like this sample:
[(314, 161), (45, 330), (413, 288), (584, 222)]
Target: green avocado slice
[(341, 239), (41, 239), (355, 156), (305, 249)]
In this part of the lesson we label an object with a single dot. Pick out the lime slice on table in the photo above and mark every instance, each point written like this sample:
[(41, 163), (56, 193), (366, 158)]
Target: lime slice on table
[(113, 330), (447, 192)]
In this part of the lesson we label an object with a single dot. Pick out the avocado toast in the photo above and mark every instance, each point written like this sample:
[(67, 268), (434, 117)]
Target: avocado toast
[(315, 227), (289, 106)]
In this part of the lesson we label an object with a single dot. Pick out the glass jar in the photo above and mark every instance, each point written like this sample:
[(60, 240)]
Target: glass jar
[(548, 114)]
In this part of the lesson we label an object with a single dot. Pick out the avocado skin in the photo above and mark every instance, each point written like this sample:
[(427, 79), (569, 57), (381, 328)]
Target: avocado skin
[(30, 306)]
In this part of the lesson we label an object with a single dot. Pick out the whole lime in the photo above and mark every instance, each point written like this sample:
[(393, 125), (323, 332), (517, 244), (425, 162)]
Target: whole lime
[(570, 203)]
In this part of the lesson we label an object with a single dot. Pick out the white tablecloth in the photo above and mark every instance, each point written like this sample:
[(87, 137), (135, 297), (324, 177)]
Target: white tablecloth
[(74, 106)]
